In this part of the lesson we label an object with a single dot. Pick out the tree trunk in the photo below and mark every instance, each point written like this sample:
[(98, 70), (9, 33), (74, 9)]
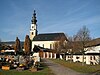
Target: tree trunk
[(83, 59)]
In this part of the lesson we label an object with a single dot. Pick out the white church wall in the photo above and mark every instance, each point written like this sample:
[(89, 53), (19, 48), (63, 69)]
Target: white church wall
[(45, 44), (33, 31)]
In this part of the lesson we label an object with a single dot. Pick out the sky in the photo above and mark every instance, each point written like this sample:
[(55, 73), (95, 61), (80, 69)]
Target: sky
[(53, 16)]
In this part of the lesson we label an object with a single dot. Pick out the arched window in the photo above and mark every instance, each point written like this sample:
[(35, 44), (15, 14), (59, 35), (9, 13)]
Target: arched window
[(90, 57), (43, 45), (32, 33), (50, 46), (94, 57)]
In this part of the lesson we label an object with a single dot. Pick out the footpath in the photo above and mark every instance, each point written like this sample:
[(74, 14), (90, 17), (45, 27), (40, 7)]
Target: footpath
[(58, 69)]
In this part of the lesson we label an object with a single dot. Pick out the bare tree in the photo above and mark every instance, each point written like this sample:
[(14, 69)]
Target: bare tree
[(74, 45), (17, 45), (60, 46), (82, 37), (56, 45), (27, 45)]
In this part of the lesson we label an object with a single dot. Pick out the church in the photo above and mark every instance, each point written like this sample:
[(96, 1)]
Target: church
[(46, 40)]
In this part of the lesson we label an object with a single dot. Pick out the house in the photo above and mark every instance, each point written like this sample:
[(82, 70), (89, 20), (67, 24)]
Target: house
[(11, 43), (90, 59), (93, 46), (91, 56), (93, 50)]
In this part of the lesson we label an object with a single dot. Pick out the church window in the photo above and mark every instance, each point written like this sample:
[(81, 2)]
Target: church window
[(32, 33), (50, 46), (32, 26), (91, 58), (77, 57), (43, 45), (38, 44), (94, 57)]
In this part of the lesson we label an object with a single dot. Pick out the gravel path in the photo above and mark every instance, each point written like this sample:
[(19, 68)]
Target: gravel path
[(58, 69)]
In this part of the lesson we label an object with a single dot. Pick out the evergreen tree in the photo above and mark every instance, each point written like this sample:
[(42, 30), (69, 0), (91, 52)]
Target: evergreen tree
[(17, 45), (27, 45)]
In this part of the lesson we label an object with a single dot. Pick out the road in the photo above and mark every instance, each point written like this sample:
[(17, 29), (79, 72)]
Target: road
[(58, 69)]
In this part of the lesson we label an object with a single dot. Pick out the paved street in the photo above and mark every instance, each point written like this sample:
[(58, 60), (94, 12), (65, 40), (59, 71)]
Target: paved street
[(58, 69)]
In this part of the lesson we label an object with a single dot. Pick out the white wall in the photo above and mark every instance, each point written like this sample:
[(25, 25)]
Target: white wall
[(94, 49), (97, 48), (46, 44), (49, 55), (88, 59), (32, 30), (80, 57), (36, 57), (61, 57)]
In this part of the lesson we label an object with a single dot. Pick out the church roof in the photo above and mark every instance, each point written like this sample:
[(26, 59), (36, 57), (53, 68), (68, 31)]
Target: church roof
[(49, 37)]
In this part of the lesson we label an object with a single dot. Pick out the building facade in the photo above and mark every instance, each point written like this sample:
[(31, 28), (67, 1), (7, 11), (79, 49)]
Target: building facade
[(46, 40), (91, 56)]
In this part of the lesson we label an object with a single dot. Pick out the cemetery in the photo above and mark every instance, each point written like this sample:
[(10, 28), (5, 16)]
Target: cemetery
[(11, 60)]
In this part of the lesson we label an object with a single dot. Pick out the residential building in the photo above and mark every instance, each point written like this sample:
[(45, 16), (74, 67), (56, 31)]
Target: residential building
[(91, 56)]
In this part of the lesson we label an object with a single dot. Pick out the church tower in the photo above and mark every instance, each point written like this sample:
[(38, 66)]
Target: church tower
[(33, 30)]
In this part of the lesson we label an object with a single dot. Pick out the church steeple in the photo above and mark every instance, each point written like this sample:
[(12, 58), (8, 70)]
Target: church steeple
[(34, 18), (33, 30)]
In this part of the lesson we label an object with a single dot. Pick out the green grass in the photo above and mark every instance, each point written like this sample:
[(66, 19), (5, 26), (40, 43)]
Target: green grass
[(78, 66), (44, 71)]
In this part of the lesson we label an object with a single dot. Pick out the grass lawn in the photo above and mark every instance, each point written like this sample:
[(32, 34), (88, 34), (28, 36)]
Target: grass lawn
[(78, 66), (44, 71)]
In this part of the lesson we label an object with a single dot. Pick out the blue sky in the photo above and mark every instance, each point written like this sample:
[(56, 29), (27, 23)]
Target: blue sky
[(66, 16)]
